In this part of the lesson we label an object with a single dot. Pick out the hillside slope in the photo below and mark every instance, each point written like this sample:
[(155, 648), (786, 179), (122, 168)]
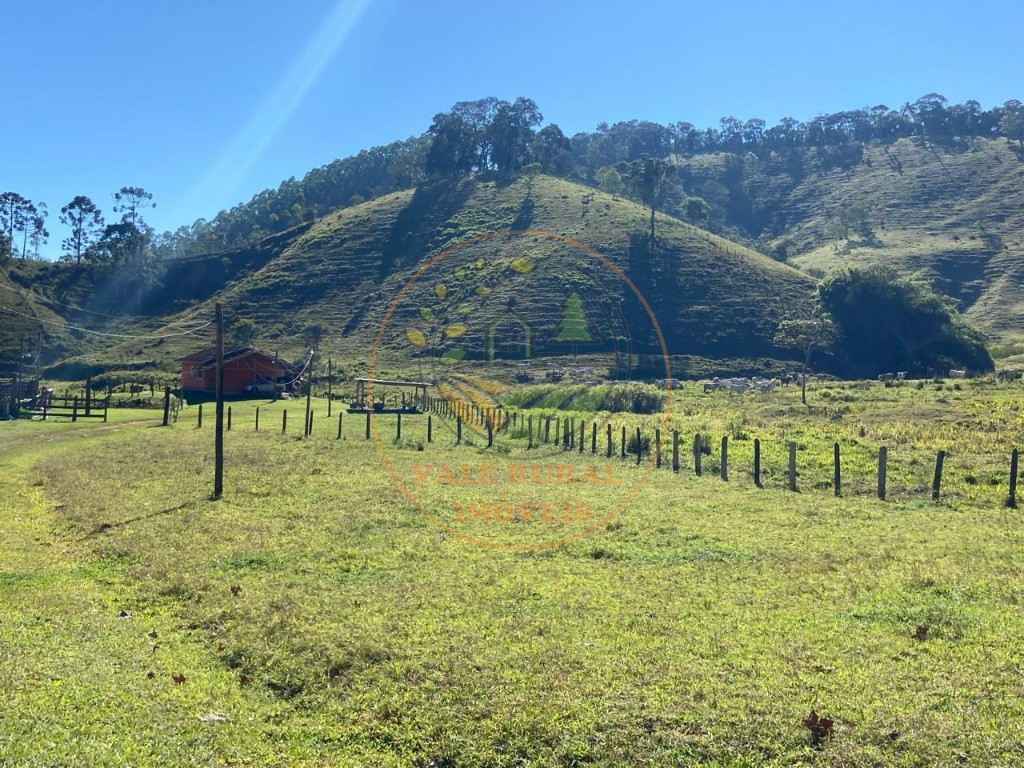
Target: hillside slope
[(954, 217), (710, 296)]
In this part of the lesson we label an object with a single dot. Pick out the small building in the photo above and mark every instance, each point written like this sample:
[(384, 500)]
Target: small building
[(247, 370)]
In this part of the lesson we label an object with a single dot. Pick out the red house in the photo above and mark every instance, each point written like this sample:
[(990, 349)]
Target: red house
[(247, 370)]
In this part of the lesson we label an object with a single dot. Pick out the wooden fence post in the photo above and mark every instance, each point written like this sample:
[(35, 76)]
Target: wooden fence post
[(940, 458), (284, 421), (593, 438), (529, 432), (792, 466), (657, 447), (837, 471), (757, 462), (458, 430), (199, 423), (583, 434), (339, 425), (74, 412), (367, 425), (623, 441), (257, 418), (675, 450), (725, 458), (883, 455), (309, 425), (609, 430), (398, 428), (229, 418), (1011, 500), (547, 429), (639, 446), (696, 454), (490, 434), (430, 429), (167, 405)]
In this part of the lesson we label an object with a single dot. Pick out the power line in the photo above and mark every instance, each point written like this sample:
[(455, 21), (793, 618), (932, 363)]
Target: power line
[(68, 307), (67, 327)]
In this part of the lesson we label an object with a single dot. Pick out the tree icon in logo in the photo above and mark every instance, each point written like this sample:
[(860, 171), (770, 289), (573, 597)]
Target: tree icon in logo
[(573, 329)]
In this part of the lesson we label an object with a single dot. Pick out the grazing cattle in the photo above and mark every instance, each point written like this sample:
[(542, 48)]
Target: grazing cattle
[(711, 386), (1009, 374), (668, 384), (955, 373), (766, 387), (737, 386), (901, 375), (886, 377)]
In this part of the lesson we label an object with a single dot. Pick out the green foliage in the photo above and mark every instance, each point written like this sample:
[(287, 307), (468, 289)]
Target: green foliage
[(244, 332), (890, 322)]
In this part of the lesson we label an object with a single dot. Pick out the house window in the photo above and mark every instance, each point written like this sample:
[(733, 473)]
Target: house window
[(197, 372)]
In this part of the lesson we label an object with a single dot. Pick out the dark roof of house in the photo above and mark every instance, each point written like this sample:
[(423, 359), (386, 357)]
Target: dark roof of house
[(207, 357)]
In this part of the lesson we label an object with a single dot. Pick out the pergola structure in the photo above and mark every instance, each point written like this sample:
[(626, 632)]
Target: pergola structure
[(416, 404)]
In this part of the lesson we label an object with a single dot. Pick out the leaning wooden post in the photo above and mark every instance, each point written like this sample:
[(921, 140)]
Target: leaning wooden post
[(257, 418), (339, 425), (367, 425), (657, 447), (430, 430), (309, 426), (725, 458), (284, 421), (609, 454), (696, 454), (623, 448), (883, 455), (675, 450), (199, 421), (757, 462), (639, 446), (167, 405), (490, 434), (792, 466), (940, 458), (309, 395), (1011, 500), (837, 471), (229, 418)]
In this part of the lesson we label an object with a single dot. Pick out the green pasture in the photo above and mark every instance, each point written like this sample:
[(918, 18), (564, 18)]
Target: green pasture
[(315, 616)]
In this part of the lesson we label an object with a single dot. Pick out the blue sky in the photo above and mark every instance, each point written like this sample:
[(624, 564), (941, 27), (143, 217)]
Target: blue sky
[(207, 103)]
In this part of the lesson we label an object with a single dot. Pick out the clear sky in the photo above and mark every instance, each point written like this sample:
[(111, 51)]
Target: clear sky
[(206, 103)]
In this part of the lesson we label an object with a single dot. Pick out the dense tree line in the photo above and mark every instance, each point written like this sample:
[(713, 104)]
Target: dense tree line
[(739, 193)]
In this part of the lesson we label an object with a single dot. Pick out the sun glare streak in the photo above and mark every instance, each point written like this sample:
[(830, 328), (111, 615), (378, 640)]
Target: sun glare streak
[(218, 187)]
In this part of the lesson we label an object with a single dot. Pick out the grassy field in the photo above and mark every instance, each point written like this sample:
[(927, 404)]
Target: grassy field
[(314, 616)]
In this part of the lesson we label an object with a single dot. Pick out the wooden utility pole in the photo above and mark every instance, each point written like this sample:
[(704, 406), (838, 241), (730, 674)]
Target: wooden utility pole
[(218, 444), (309, 392)]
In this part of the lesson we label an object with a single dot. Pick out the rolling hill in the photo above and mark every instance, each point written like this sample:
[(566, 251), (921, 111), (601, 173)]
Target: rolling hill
[(712, 298)]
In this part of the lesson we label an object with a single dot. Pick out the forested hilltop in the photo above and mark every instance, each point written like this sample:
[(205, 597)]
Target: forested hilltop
[(741, 195)]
